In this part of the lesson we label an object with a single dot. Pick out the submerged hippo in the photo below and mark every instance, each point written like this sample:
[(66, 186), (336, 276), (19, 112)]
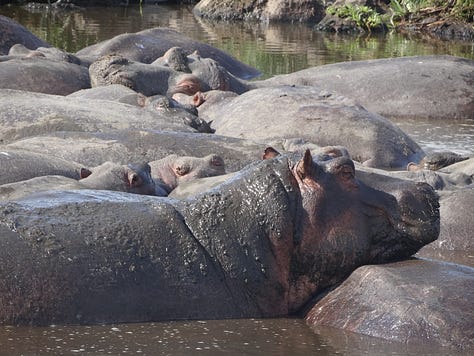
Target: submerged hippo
[(260, 245), (409, 301)]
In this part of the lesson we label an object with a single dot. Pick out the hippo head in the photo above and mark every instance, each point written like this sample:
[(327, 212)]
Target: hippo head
[(132, 178), (345, 221), (174, 169)]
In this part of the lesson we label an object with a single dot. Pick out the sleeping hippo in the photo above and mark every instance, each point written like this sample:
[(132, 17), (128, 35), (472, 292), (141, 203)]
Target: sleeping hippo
[(171, 170), (132, 178), (261, 244)]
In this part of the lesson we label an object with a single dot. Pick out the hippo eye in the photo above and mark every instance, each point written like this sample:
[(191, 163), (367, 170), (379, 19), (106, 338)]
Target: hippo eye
[(347, 172)]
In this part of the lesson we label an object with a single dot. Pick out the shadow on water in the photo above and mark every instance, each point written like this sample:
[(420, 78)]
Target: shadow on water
[(273, 49)]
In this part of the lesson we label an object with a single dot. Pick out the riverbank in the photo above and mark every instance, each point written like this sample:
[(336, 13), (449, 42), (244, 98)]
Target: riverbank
[(444, 19)]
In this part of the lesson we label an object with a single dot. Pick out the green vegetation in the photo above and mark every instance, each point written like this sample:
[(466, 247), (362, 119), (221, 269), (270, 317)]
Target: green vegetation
[(369, 19), (460, 9), (363, 16)]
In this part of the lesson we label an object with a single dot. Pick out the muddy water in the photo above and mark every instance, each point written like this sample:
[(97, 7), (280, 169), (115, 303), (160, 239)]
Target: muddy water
[(274, 49), (213, 337)]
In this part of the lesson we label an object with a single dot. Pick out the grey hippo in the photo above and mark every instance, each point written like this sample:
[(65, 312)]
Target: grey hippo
[(261, 244)]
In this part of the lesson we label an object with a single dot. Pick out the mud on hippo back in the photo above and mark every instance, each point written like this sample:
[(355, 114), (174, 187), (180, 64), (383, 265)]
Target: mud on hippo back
[(260, 245)]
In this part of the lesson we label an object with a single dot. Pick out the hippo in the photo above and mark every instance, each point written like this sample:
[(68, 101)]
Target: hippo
[(39, 74), (437, 160), (152, 79), (412, 301), (25, 114), (171, 170), (17, 165), (131, 178), (159, 103), (455, 243), (11, 33), (51, 53), (122, 146), (261, 244), (148, 45), (316, 116), (428, 87)]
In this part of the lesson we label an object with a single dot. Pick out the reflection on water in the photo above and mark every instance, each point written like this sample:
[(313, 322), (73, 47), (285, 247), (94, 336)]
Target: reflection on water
[(273, 49), (232, 337)]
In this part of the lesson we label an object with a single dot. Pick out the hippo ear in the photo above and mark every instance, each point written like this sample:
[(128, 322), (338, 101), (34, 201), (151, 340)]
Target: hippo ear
[(84, 173), (305, 165), (269, 153), (198, 99), (133, 179)]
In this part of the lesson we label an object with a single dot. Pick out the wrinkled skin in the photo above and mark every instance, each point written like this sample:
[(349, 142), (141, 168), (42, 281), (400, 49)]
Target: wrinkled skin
[(131, 178), (42, 75), (203, 74), (11, 33), (260, 245), (410, 301), (172, 170), (315, 116), (149, 45), (17, 165)]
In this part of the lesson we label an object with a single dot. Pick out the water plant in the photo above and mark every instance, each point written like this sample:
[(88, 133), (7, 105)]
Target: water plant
[(363, 16)]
